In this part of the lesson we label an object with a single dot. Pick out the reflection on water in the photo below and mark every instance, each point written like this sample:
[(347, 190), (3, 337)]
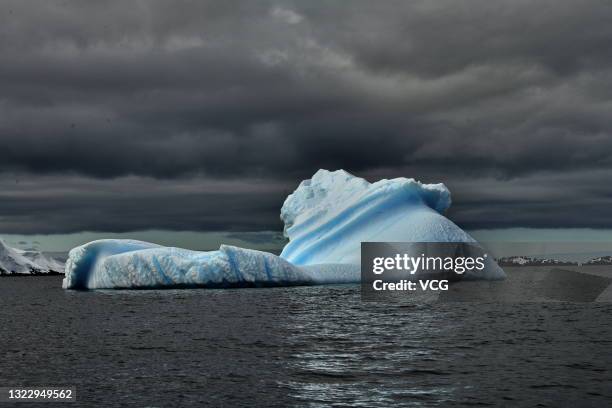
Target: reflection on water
[(365, 355)]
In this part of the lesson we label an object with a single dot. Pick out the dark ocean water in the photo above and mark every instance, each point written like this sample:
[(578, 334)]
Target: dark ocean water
[(305, 346)]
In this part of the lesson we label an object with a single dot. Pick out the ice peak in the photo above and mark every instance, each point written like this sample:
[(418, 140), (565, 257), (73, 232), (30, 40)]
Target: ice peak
[(328, 216)]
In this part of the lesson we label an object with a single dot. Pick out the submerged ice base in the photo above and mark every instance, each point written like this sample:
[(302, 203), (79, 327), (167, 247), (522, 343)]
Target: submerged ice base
[(326, 219)]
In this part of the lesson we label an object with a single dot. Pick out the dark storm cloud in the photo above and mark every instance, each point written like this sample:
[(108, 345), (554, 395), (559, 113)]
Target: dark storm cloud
[(472, 93), (51, 204)]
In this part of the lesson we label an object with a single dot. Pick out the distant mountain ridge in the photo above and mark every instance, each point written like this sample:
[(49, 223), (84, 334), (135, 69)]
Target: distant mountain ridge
[(531, 261), (601, 260), (15, 261)]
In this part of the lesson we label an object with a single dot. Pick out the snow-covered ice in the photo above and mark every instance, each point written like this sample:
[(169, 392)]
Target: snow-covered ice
[(139, 265), (17, 261), (326, 218)]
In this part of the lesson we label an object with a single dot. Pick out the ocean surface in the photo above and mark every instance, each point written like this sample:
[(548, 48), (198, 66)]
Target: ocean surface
[(302, 346)]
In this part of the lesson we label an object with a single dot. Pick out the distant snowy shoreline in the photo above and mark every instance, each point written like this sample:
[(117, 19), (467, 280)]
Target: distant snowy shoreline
[(18, 262), (30, 275)]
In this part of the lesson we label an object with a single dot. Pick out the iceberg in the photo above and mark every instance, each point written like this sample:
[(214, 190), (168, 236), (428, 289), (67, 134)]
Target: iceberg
[(326, 218)]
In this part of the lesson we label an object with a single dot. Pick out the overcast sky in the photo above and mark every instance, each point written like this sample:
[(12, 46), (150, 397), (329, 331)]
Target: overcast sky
[(129, 115)]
